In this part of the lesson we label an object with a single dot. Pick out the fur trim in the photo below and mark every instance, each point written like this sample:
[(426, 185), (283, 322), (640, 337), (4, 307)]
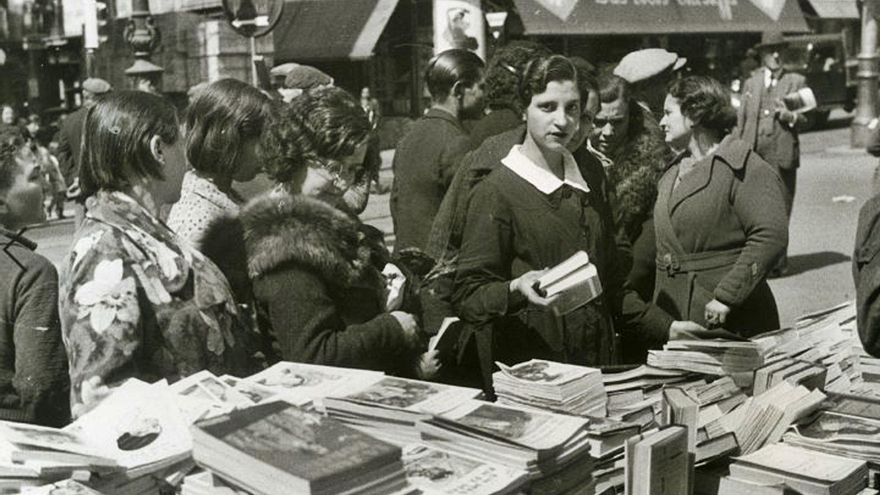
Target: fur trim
[(637, 168), (304, 231)]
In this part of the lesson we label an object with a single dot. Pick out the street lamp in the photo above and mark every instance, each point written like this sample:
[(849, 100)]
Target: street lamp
[(866, 109), (253, 20), (142, 34)]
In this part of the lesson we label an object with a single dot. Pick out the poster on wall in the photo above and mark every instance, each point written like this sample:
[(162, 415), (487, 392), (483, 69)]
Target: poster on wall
[(459, 24)]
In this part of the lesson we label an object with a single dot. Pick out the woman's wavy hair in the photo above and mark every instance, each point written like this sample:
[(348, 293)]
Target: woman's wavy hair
[(221, 118), (116, 136), (321, 127), (542, 71), (706, 102), (504, 71)]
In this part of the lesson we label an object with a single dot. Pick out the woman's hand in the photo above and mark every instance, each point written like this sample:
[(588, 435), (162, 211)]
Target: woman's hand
[(428, 365), (716, 313), (525, 285), (410, 328), (395, 281)]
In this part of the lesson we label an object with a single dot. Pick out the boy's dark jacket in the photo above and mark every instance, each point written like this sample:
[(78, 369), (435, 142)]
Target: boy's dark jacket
[(34, 383)]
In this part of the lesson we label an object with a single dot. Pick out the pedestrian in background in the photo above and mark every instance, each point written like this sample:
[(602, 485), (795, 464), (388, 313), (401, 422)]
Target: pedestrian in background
[(719, 219), (428, 156), (33, 365), (649, 72), (766, 125), (155, 307)]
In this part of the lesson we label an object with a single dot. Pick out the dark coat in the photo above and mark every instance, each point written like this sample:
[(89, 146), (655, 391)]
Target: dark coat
[(866, 274), (34, 384), (317, 284), (719, 232), (424, 164), (637, 165), (781, 148), (495, 122), (69, 137)]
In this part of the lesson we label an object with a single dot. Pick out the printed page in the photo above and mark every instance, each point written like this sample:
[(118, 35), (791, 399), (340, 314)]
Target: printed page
[(299, 381), (803, 463)]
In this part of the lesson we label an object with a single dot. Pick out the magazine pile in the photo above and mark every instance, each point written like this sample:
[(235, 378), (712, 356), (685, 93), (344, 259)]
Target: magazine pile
[(791, 411)]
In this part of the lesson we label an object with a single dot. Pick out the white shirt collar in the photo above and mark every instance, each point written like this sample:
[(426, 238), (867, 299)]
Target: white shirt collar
[(768, 78), (542, 179)]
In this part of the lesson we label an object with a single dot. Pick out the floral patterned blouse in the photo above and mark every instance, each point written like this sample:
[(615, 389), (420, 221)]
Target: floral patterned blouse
[(137, 302)]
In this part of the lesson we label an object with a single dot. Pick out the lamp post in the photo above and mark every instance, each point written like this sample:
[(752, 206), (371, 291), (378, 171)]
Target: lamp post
[(866, 109), (142, 34), (253, 20)]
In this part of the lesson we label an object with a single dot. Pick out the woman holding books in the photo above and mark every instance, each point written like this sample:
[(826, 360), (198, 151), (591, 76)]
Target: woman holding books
[(532, 212), (317, 271), (135, 300), (720, 217)]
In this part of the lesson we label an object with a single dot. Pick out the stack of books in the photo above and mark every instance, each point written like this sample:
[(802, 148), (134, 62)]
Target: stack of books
[(434, 471), (849, 427), (390, 408), (135, 441), (549, 385), (763, 419), (719, 357), (570, 284), (207, 483), (554, 449), (278, 448), (807, 472), (63, 487), (635, 396), (300, 383)]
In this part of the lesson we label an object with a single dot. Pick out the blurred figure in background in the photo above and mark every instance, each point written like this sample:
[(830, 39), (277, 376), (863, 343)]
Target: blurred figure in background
[(649, 72), (428, 156)]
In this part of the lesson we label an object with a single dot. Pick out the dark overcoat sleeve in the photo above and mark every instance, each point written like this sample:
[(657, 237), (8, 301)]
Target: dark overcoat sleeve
[(309, 327), (758, 199)]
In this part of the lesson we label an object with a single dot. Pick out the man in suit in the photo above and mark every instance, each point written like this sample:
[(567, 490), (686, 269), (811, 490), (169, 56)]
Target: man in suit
[(766, 124), (70, 134)]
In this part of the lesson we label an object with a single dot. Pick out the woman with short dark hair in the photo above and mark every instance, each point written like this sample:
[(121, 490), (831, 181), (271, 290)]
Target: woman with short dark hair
[(135, 300), (533, 211), (223, 127), (720, 218), (317, 272)]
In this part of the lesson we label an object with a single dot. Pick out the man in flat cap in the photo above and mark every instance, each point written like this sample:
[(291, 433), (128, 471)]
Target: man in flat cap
[(71, 131), (301, 78), (648, 72), (764, 121)]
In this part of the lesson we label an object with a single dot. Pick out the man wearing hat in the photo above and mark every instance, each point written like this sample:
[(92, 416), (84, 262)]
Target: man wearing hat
[(302, 78), (648, 72), (766, 124), (71, 131)]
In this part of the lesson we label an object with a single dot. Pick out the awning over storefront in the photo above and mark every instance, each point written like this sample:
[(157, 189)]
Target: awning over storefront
[(836, 9), (555, 17), (330, 29)]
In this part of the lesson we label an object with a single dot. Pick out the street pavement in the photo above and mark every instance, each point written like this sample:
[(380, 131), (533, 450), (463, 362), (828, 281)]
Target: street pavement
[(833, 182)]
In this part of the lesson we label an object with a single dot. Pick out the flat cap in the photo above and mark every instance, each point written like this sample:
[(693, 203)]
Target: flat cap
[(643, 64), (306, 77), (96, 86)]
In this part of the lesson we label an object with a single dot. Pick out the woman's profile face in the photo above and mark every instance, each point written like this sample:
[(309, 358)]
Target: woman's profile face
[(247, 165), (552, 117), (675, 125)]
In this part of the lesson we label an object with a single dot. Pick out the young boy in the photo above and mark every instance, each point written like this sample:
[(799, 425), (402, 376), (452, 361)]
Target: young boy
[(34, 384)]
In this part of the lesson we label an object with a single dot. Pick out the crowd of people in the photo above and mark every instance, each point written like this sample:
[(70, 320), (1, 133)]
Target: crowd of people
[(516, 165)]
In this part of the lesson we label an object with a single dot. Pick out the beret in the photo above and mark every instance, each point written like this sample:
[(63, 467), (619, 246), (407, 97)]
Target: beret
[(96, 86), (283, 69), (643, 64), (306, 77)]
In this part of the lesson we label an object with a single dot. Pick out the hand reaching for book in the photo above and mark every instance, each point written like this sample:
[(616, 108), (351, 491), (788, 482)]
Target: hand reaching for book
[(525, 285)]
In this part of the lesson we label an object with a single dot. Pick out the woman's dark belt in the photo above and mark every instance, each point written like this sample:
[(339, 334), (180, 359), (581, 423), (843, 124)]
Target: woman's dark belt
[(673, 264)]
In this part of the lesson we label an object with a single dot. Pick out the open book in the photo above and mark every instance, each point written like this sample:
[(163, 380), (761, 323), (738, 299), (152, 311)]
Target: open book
[(570, 284)]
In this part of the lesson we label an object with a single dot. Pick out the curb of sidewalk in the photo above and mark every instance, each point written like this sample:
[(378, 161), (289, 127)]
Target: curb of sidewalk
[(51, 223), (845, 150)]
